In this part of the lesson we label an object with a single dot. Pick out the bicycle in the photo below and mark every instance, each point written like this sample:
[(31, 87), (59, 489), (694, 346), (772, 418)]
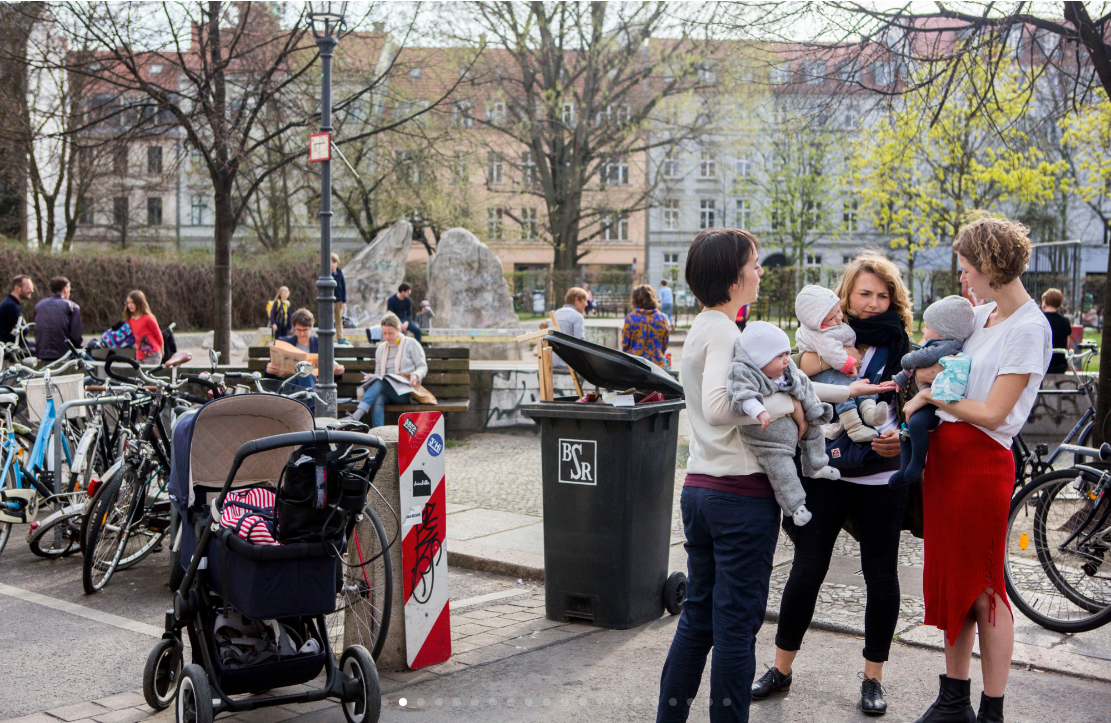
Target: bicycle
[(1058, 536), (1030, 464)]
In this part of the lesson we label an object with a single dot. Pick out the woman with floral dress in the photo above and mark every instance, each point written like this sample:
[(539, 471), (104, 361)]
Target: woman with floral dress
[(646, 329)]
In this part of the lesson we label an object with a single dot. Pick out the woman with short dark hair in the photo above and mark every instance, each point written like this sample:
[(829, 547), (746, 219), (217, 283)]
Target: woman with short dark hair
[(730, 516), (646, 328)]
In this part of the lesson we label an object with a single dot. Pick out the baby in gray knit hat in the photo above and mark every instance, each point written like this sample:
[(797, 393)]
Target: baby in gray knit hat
[(762, 366), (946, 326)]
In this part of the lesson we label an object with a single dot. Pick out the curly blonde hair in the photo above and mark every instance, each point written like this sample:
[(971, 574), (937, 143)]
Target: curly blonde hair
[(997, 247), (885, 269)]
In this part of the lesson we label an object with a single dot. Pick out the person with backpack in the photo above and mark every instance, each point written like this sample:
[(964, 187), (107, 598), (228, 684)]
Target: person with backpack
[(57, 319), (341, 299), (148, 335), (277, 309)]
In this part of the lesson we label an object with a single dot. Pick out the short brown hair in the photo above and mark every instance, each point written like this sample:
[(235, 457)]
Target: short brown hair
[(715, 260), (302, 317), (391, 319), (58, 284), (574, 294), (997, 247), (17, 281), (644, 297), (1054, 298)]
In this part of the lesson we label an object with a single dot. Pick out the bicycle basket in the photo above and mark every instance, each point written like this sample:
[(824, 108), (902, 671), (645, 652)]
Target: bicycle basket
[(66, 388)]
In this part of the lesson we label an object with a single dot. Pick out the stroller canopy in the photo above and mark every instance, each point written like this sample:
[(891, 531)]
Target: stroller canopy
[(206, 442)]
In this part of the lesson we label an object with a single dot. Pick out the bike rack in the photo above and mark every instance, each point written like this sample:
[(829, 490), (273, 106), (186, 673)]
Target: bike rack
[(61, 415)]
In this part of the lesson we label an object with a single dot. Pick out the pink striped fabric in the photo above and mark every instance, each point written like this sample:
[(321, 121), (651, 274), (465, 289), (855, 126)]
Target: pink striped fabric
[(249, 524)]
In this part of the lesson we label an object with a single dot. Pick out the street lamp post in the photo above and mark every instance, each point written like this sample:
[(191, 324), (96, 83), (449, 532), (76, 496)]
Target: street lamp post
[(326, 19)]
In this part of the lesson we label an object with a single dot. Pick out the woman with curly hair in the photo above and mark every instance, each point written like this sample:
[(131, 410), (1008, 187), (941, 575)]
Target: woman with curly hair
[(646, 328), (968, 484)]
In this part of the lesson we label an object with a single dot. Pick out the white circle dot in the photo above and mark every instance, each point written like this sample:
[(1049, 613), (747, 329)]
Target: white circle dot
[(420, 702), (528, 702), (401, 702), (672, 702), (439, 701), (509, 702), (727, 702), (456, 701)]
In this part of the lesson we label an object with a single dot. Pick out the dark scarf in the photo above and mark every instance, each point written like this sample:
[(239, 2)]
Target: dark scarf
[(884, 330)]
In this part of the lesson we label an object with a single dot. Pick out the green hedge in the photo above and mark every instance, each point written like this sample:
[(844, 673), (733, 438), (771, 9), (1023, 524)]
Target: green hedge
[(179, 290)]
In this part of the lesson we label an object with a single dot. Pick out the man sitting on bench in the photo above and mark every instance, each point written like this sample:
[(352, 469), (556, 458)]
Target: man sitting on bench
[(402, 306)]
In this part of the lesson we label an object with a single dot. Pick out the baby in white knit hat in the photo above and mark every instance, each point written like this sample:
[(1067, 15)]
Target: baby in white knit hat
[(762, 366), (822, 330)]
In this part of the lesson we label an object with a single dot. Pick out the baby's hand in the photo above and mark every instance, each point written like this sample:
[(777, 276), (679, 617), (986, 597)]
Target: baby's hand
[(854, 353), (765, 419), (800, 418)]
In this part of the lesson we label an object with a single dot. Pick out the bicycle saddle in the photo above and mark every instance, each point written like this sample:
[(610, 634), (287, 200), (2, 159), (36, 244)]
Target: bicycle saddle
[(8, 400), (179, 358)]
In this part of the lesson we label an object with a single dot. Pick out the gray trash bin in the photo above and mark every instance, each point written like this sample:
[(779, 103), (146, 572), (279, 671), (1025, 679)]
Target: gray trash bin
[(608, 484)]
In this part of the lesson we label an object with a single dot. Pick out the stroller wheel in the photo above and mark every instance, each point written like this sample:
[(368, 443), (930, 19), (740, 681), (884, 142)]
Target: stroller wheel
[(161, 674), (194, 696), (362, 700)]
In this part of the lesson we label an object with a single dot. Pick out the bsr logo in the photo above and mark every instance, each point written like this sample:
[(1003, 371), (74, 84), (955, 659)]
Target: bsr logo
[(578, 461)]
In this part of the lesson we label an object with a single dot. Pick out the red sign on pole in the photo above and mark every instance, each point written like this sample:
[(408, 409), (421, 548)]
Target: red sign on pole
[(320, 147)]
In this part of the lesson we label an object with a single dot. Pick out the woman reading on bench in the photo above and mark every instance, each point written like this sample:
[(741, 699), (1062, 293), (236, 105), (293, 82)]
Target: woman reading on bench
[(401, 358)]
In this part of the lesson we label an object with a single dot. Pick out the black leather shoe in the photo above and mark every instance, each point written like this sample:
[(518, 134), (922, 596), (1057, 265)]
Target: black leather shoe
[(953, 704), (771, 682), (991, 709), (871, 697)]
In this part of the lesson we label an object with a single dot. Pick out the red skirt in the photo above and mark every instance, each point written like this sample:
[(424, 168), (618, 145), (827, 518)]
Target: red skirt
[(966, 495)]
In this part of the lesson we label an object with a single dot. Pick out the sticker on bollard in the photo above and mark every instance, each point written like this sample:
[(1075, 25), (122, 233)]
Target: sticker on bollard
[(420, 445)]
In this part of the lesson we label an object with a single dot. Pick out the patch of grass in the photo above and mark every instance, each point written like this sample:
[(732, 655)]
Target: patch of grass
[(451, 443)]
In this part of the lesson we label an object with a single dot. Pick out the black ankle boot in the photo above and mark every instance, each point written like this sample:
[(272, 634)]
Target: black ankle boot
[(991, 709), (953, 704)]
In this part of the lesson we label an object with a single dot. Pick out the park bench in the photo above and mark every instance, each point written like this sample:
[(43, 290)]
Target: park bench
[(449, 377), (611, 303)]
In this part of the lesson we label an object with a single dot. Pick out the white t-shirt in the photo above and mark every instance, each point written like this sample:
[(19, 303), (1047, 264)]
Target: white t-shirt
[(879, 478), (1020, 344)]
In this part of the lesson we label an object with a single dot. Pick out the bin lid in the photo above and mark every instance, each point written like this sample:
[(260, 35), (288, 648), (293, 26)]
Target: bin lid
[(609, 368)]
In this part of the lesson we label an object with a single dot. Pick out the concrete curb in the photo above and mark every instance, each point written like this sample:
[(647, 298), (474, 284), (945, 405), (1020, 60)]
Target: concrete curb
[(483, 558)]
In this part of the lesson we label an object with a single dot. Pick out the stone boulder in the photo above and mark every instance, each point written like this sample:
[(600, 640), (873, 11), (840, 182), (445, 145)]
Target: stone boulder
[(373, 275), (466, 285)]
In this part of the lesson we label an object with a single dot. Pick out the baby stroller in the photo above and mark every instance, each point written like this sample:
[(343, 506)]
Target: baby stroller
[(254, 601)]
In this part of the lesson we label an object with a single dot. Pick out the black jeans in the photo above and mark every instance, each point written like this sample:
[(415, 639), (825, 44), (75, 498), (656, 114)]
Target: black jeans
[(876, 512), (730, 544)]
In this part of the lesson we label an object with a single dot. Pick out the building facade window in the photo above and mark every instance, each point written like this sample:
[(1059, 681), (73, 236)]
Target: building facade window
[(198, 211), (707, 165), (671, 214), (119, 211), (744, 167), (743, 219), (494, 218), (495, 168), (615, 172), (530, 173), (154, 211), (813, 259), (495, 110), (616, 227), (462, 114), (850, 216), (85, 212), (707, 213), (530, 225), (119, 160), (671, 268), (459, 170), (671, 165), (568, 114), (154, 160)]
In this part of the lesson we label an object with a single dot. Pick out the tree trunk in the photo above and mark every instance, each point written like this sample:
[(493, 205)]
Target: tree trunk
[(221, 337)]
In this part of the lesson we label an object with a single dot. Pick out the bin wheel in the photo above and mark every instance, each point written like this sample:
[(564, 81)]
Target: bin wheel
[(161, 674), (194, 696), (675, 592), (362, 700)]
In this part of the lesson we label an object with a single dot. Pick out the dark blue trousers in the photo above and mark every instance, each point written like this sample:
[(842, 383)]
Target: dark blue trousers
[(730, 543)]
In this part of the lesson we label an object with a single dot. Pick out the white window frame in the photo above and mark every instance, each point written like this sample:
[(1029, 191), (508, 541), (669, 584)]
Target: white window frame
[(616, 227), (530, 224), (615, 172), (495, 168), (671, 214), (707, 213), (850, 215), (743, 217), (670, 165), (707, 164), (495, 221)]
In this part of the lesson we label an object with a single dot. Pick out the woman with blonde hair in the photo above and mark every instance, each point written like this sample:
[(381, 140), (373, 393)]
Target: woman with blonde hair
[(148, 337), (279, 313), (968, 483), (877, 306), (398, 355)]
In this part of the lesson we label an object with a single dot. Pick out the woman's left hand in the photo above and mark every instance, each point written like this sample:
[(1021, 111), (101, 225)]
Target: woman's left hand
[(414, 381), (887, 444), (863, 387), (919, 400)]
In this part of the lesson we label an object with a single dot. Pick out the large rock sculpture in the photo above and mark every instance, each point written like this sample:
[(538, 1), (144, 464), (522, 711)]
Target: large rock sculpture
[(373, 275), (466, 285)]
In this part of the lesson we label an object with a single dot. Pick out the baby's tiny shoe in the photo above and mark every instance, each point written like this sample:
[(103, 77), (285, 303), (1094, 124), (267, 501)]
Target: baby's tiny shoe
[(858, 431), (828, 472), (833, 430), (875, 414), (801, 516)]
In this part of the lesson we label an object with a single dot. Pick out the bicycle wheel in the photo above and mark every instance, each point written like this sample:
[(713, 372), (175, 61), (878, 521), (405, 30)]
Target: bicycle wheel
[(150, 523), (362, 615), (42, 541), (108, 533), (1054, 573)]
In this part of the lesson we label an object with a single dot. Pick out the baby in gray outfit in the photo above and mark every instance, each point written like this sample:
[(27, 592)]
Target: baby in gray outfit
[(762, 366)]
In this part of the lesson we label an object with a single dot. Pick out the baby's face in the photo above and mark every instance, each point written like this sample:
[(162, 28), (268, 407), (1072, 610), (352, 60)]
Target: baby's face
[(928, 333), (776, 367), (834, 317)]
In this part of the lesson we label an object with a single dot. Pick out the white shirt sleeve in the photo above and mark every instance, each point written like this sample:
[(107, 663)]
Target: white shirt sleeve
[(1024, 351), (752, 407)]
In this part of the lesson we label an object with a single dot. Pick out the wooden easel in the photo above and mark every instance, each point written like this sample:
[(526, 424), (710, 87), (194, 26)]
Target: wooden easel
[(544, 361)]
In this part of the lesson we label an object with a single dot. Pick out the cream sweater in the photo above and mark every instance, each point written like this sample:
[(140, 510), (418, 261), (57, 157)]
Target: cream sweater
[(716, 448)]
